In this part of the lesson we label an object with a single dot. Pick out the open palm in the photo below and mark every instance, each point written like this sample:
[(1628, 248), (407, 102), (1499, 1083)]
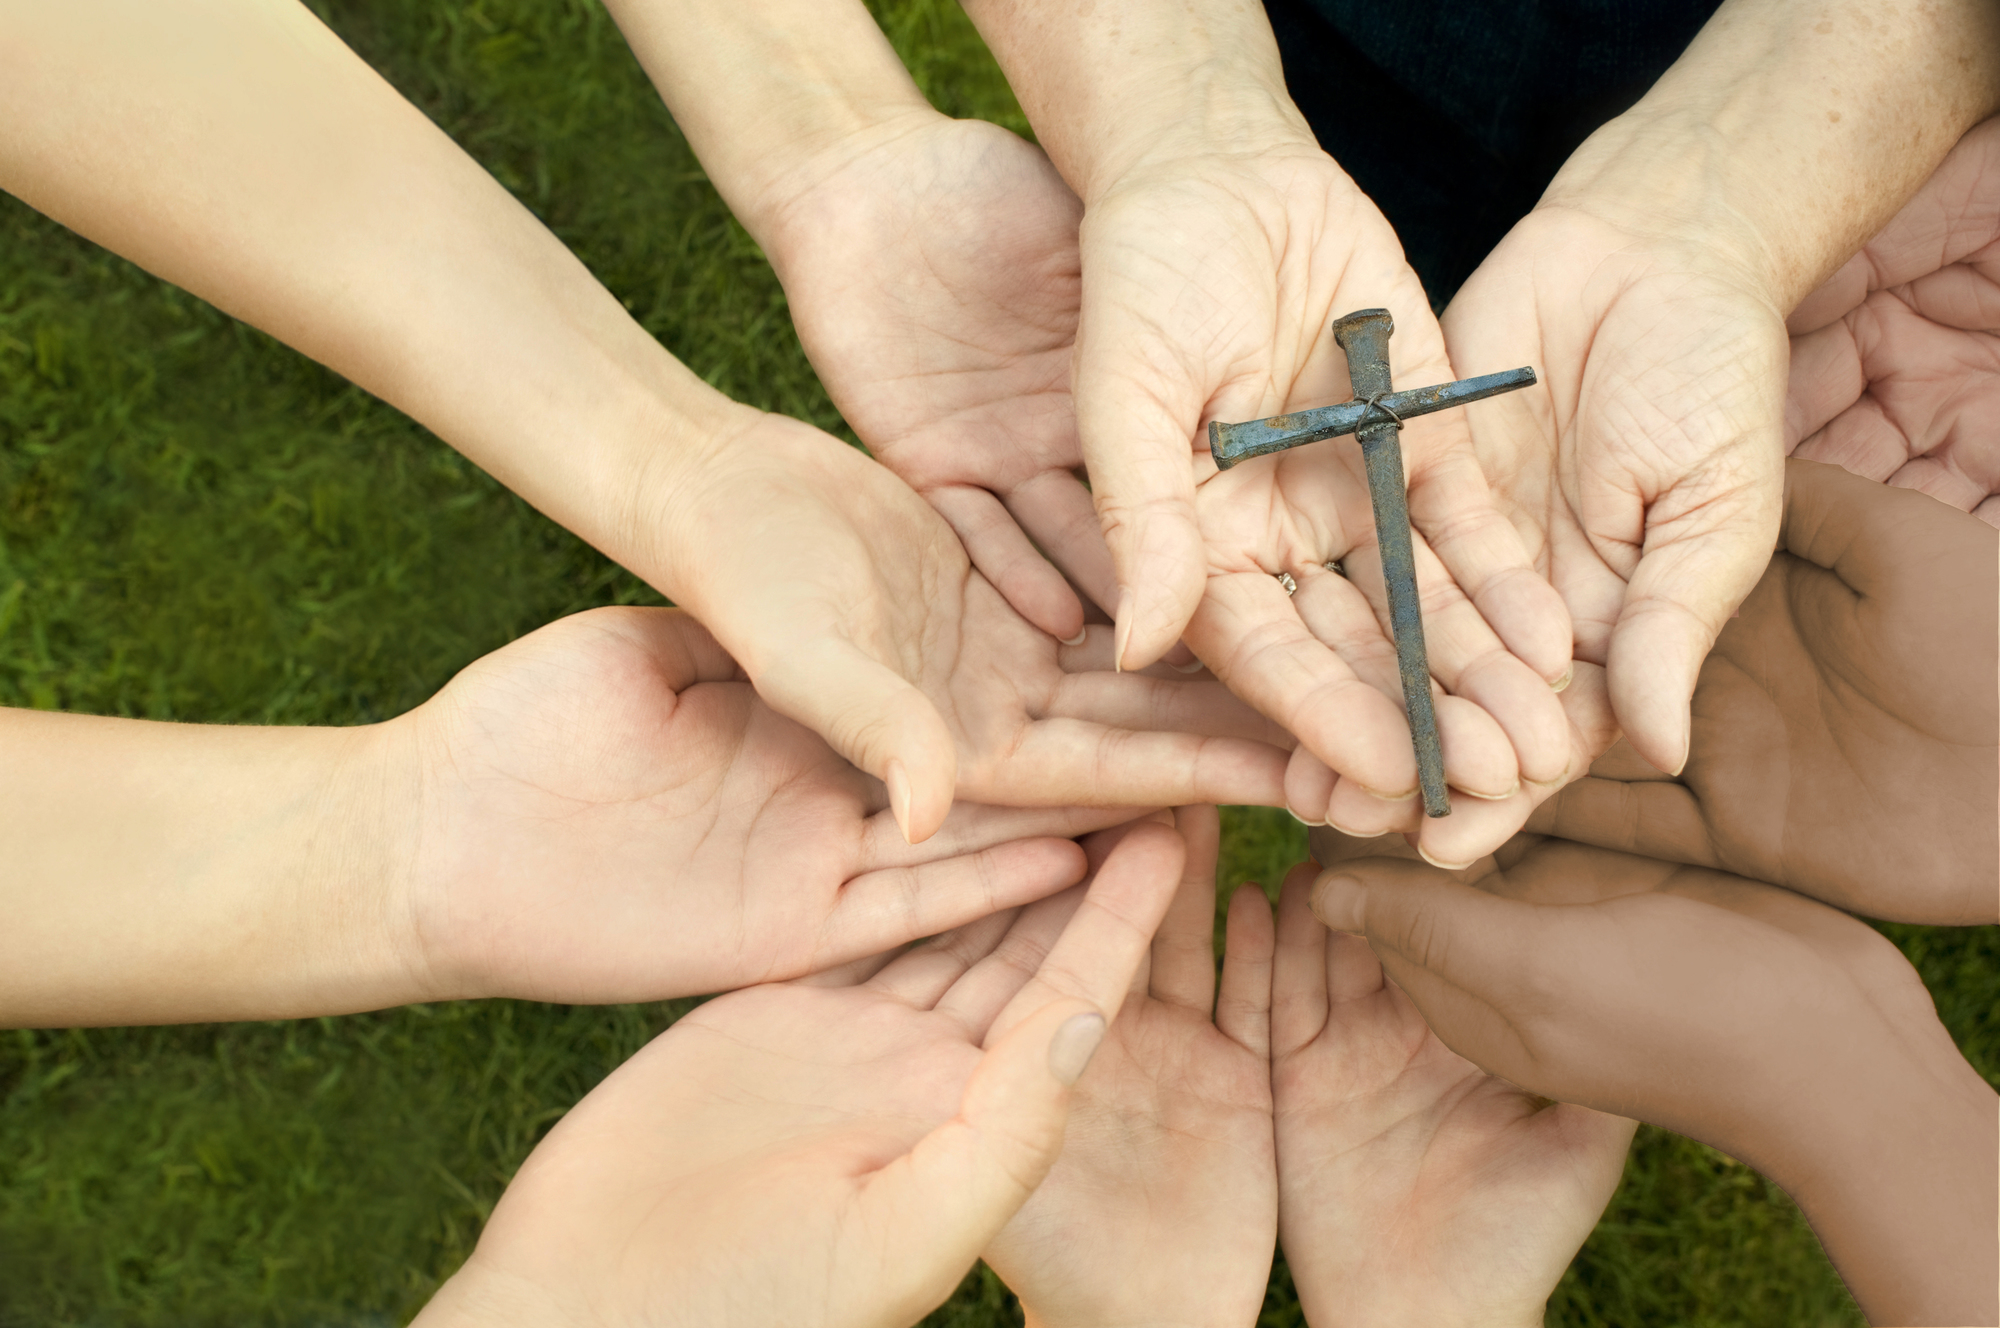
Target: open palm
[(1896, 359), (1414, 1187), (1847, 735), (610, 813)]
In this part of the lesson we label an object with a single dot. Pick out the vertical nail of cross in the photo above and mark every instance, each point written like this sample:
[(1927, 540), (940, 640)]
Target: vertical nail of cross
[(1365, 337)]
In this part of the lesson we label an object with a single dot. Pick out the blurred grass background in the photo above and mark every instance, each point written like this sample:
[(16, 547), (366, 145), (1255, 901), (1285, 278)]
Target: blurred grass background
[(197, 524)]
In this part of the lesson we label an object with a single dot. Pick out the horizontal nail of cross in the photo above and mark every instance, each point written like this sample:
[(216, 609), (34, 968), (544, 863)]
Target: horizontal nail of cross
[(1231, 443)]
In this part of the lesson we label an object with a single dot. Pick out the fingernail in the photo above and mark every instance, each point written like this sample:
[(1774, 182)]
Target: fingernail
[(1123, 636), (1078, 639), (1356, 834), (1195, 667), (1569, 676), (1302, 820), (1389, 797), (898, 781), (1442, 866), (1491, 797), (1336, 902), (1073, 1046)]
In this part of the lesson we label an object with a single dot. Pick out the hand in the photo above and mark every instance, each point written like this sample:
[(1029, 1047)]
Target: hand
[(853, 609), (1413, 1186), (1163, 1207), (1745, 1016), (823, 1154), (1190, 263), (607, 812), (1895, 360), (931, 269), (1644, 464), (1847, 742)]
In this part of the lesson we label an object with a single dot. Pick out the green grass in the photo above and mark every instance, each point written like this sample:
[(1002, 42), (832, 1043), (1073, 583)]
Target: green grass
[(197, 524)]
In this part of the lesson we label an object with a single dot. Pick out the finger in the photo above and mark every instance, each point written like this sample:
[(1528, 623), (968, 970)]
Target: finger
[(853, 973), (1353, 972), (976, 999), (1308, 787), (1183, 961), (1002, 552), (1421, 916), (1243, 1005), (1166, 704), (974, 827), (1069, 760), (1250, 636), (1137, 443), (874, 718), (881, 909), (1360, 814), (1112, 931), (1298, 968), (949, 1196), (921, 975), (1480, 551), (1702, 557), (1057, 512)]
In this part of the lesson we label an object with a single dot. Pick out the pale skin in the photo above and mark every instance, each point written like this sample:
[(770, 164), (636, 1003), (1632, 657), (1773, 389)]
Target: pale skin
[(824, 1153), (1896, 358), (1847, 726), (240, 150), (1753, 1019), (602, 811), (1163, 1207), (1413, 1186), (932, 268), (1647, 290)]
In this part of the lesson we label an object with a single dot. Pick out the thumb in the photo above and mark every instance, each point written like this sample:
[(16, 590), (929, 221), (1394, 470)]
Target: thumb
[(1697, 568), (950, 1195), (1136, 421), (875, 718), (1475, 964)]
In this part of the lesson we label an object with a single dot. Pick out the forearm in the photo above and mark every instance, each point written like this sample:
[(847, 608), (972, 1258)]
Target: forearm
[(1111, 85), (170, 873), (1902, 1191), (239, 149), (1792, 130), (771, 94)]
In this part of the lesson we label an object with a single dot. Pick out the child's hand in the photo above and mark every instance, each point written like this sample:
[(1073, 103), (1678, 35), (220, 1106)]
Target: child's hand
[(1414, 1188), (1846, 727), (816, 1154), (1163, 1206), (607, 812), (1753, 1019)]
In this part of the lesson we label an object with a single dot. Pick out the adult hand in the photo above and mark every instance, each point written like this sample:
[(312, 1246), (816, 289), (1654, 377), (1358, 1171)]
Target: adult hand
[(931, 269), (1163, 1206), (1413, 1186), (1846, 730), (1896, 359), (824, 1154), (1748, 1017), (607, 812), (1648, 288), (854, 610)]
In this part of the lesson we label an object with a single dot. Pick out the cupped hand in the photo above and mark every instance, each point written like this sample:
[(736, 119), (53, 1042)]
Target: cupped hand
[(607, 812), (1413, 1186), (1846, 727), (1896, 359), (1210, 283), (853, 609), (1163, 1207), (819, 1153), (1746, 1016), (931, 269), (1643, 468)]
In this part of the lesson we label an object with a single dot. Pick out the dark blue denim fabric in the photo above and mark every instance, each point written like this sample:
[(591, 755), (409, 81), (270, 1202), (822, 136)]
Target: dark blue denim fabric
[(1453, 115)]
